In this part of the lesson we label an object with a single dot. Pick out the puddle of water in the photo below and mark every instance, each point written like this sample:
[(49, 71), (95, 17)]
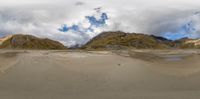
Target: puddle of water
[(174, 57)]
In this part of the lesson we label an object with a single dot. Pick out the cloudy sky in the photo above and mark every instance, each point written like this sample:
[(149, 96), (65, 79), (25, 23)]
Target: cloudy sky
[(77, 21)]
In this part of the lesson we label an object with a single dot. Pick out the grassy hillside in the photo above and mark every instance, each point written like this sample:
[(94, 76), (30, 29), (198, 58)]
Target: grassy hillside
[(30, 42), (186, 43), (119, 40)]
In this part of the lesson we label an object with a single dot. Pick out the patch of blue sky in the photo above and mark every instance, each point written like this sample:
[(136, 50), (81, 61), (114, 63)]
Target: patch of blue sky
[(66, 28), (175, 36), (97, 22), (93, 21), (184, 31)]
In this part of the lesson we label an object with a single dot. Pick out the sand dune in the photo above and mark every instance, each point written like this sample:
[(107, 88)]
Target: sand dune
[(100, 75)]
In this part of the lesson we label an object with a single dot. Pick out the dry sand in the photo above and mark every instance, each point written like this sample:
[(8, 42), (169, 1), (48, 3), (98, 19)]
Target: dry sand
[(137, 74)]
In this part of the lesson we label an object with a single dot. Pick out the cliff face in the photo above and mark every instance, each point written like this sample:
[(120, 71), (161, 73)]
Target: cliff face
[(28, 42)]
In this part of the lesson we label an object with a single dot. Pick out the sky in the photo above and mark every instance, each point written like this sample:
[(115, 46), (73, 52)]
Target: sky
[(75, 22)]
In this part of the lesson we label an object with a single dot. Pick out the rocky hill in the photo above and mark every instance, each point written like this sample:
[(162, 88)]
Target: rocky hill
[(121, 40), (104, 41), (187, 43), (20, 41)]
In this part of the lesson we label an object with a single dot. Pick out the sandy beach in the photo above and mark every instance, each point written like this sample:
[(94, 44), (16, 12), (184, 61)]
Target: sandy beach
[(135, 74)]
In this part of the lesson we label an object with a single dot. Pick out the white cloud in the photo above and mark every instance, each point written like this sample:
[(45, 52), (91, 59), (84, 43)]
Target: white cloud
[(43, 17)]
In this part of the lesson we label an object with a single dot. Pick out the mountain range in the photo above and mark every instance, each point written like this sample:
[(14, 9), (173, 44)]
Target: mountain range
[(104, 41), (122, 40)]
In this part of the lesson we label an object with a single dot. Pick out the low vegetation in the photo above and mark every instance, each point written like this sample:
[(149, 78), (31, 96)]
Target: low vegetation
[(118, 40), (121, 40), (105, 41), (30, 42)]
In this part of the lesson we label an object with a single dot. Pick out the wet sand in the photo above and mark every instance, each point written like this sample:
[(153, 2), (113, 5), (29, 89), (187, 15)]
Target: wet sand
[(135, 74)]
